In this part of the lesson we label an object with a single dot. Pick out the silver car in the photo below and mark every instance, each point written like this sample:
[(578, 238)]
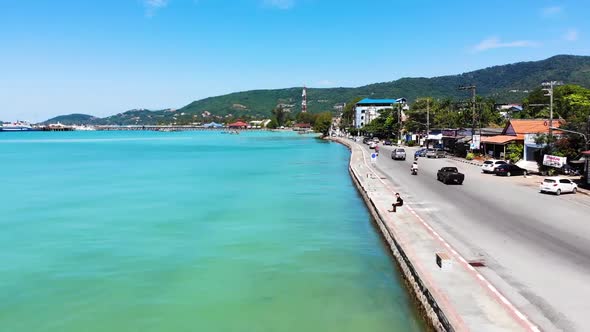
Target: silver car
[(398, 154), (435, 153)]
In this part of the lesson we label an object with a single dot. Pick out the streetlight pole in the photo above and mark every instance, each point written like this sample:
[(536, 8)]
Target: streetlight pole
[(586, 141)]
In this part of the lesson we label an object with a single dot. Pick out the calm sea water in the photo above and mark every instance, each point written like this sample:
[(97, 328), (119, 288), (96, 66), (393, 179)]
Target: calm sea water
[(144, 231)]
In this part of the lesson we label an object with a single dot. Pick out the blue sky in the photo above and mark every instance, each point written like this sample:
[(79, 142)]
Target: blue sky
[(105, 57)]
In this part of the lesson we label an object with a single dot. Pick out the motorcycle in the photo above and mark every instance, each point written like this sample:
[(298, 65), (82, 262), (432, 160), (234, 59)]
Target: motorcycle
[(414, 171)]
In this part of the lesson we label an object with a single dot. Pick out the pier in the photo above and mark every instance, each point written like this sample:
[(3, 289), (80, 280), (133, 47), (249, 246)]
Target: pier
[(168, 128)]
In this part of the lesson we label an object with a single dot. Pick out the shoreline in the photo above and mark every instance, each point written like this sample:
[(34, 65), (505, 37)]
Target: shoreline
[(451, 296)]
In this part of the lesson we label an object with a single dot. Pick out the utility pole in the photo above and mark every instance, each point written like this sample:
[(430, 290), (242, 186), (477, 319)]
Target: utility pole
[(549, 92), (427, 120), (399, 121), (473, 93)]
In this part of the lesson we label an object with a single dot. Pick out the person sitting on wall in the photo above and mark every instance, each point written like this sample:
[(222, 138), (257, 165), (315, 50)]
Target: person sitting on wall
[(398, 202)]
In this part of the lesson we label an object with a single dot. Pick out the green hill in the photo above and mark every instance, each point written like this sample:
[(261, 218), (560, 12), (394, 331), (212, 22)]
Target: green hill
[(72, 119), (505, 83)]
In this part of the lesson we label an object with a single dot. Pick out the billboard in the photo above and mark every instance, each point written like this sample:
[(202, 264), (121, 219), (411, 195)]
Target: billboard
[(554, 161)]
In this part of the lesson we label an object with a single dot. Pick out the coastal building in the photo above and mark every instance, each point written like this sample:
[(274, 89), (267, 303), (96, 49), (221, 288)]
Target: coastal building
[(259, 123), (523, 132), (368, 109), (339, 108), (213, 125), (238, 125), (302, 127), (508, 110)]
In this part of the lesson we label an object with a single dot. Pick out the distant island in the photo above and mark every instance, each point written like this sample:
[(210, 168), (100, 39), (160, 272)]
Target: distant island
[(506, 83)]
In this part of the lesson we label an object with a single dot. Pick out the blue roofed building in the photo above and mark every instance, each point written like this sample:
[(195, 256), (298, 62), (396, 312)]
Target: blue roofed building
[(369, 109)]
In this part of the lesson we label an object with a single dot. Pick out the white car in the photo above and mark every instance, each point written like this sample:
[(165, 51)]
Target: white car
[(372, 145), (490, 165), (558, 185)]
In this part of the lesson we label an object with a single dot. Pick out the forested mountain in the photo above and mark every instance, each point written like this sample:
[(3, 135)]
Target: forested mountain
[(72, 119), (505, 83)]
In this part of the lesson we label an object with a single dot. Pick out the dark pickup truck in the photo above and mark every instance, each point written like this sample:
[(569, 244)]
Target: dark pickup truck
[(450, 175)]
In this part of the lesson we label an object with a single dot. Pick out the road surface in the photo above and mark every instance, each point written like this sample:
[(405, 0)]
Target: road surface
[(536, 247)]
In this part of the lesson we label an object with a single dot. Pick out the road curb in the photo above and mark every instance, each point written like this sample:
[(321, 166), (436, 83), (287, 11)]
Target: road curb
[(465, 161)]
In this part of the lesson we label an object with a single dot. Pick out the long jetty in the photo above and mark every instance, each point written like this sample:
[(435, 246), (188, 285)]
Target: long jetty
[(166, 128)]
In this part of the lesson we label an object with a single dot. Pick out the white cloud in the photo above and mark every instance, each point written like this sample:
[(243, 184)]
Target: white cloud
[(495, 42), (151, 6), (280, 4), (571, 35), (551, 11)]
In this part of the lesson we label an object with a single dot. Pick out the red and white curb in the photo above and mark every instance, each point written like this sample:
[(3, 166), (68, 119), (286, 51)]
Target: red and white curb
[(521, 318)]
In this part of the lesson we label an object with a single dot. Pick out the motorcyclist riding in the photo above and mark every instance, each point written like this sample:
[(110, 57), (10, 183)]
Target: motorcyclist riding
[(414, 168)]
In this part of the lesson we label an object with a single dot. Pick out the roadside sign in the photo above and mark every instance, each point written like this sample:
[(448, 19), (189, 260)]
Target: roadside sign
[(475, 142), (554, 161), (373, 157)]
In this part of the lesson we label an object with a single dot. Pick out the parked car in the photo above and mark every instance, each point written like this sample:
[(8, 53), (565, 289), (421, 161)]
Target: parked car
[(372, 145), (375, 139), (509, 170), (420, 152), (435, 153), (489, 166), (558, 185), (366, 140), (569, 170), (398, 154), (450, 175), (387, 142)]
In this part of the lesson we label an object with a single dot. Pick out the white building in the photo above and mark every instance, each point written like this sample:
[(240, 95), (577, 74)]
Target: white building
[(368, 109)]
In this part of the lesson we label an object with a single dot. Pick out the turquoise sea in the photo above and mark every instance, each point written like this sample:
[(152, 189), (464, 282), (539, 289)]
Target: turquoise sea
[(189, 231)]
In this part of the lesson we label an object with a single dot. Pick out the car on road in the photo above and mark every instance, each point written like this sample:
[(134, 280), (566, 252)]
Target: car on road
[(420, 153), (366, 140), (509, 170), (435, 153), (387, 142), (489, 166), (375, 139), (398, 154), (450, 175), (558, 185), (372, 145)]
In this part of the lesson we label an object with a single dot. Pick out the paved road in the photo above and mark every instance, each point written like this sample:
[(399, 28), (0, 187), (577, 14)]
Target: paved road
[(536, 247)]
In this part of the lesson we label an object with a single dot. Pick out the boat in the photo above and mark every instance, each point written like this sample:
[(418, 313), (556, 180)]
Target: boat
[(16, 126)]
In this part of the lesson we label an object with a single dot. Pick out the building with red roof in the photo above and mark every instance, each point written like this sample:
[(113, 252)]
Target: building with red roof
[(238, 125), (520, 131), (301, 126)]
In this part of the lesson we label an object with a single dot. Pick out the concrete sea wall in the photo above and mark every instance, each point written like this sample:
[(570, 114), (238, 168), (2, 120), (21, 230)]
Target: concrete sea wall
[(434, 316)]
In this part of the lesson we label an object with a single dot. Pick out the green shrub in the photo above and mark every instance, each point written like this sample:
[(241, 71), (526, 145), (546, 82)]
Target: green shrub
[(514, 152), (411, 143), (470, 156)]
